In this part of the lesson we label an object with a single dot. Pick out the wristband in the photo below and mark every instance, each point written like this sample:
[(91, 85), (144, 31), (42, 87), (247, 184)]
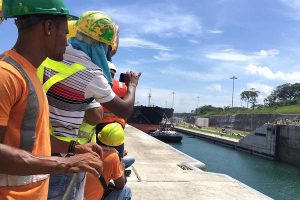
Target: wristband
[(132, 84), (71, 148)]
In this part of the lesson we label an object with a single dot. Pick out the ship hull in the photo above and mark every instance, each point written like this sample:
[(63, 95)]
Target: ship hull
[(145, 127), (148, 119)]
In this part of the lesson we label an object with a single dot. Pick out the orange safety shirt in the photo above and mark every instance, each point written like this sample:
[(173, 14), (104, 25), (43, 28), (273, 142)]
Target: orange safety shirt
[(14, 93), (112, 169), (120, 90)]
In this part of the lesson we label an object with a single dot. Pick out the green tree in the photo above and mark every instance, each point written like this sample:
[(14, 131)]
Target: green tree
[(284, 94), (207, 108), (250, 96)]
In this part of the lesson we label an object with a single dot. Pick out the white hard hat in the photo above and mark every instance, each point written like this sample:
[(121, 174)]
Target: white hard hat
[(112, 66)]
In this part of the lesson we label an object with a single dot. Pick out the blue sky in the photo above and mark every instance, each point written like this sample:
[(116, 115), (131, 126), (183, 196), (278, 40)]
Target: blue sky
[(193, 47)]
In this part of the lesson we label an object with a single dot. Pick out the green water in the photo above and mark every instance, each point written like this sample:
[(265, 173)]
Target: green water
[(275, 179)]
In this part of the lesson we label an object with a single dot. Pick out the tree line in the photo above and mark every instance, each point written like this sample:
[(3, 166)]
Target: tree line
[(282, 95)]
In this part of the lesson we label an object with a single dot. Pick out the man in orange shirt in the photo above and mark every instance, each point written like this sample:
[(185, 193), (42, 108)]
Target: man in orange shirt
[(113, 169), (24, 113)]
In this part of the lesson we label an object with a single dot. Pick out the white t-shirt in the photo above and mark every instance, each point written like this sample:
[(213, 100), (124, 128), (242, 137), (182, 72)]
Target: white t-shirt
[(68, 99)]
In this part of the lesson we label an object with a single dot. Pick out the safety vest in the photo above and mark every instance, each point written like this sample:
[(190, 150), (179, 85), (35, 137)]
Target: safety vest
[(108, 117), (27, 130), (64, 71)]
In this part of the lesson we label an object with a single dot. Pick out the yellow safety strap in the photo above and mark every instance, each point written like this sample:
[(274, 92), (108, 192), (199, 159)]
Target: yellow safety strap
[(63, 71)]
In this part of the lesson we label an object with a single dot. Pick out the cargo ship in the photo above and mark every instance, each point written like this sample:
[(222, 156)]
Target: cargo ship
[(147, 118)]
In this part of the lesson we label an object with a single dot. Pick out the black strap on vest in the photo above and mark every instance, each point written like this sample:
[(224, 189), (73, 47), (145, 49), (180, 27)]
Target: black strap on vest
[(104, 185)]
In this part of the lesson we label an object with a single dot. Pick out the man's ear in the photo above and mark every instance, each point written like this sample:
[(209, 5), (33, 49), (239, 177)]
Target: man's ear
[(49, 27)]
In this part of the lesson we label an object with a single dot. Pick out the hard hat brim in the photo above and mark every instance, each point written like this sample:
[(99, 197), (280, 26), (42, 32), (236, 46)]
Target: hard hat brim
[(72, 17)]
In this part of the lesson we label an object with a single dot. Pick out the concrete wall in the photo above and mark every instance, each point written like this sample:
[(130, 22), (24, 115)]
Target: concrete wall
[(262, 141), (279, 142), (247, 122), (289, 144)]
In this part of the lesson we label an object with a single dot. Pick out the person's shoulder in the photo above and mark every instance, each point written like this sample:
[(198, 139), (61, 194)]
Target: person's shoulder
[(7, 71), (110, 155), (6, 67)]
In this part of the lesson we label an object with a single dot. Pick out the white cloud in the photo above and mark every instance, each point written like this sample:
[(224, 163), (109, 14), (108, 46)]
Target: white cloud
[(193, 41), (215, 31), (141, 43), (170, 21), (294, 11), (139, 61), (264, 89), (228, 56), (192, 75), (165, 56), (215, 87), (235, 56), (268, 53), (267, 73)]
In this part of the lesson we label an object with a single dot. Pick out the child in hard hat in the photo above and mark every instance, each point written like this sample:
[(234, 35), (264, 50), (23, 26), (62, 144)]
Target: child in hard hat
[(113, 169), (112, 135)]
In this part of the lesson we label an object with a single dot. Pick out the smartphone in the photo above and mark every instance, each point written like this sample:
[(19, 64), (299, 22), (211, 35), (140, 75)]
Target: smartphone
[(122, 77)]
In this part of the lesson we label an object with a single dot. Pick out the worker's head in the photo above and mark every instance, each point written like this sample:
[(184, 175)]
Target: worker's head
[(112, 68), (113, 135), (95, 32), (94, 27), (41, 23)]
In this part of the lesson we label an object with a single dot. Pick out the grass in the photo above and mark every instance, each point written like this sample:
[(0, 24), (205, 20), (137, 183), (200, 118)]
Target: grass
[(293, 109), (235, 134)]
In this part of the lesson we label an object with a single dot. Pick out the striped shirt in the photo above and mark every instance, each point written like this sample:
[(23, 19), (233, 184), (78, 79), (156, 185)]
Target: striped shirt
[(69, 98)]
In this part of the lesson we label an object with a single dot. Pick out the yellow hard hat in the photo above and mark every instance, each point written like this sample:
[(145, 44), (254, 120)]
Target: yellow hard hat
[(0, 5), (72, 26), (112, 135), (98, 26)]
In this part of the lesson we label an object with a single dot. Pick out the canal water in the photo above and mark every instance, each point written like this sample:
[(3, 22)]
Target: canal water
[(275, 179)]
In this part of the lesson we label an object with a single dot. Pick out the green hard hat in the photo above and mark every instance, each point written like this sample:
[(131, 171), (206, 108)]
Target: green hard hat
[(15, 8)]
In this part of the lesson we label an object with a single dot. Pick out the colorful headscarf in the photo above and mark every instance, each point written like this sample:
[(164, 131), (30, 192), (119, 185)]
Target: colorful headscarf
[(96, 53)]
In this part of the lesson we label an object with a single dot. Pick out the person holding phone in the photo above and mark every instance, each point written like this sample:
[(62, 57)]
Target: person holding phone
[(68, 98)]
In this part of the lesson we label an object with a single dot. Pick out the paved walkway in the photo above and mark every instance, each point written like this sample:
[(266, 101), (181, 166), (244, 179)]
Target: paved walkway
[(157, 174)]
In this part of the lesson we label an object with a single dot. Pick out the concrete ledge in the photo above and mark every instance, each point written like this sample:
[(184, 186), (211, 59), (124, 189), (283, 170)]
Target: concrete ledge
[(158, 173)]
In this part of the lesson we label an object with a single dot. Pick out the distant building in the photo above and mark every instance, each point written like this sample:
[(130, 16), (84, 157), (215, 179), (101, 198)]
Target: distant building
[(202, 122)]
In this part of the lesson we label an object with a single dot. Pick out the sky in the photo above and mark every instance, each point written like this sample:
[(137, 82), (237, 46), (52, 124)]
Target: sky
[(193, 47)]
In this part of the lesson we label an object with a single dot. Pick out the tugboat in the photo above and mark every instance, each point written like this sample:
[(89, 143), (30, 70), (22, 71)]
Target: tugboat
[(166, 133)]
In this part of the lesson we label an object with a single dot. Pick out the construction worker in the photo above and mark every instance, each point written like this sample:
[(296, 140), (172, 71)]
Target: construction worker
[(120, 89), (24, 113), (112, 135), (85, 78)]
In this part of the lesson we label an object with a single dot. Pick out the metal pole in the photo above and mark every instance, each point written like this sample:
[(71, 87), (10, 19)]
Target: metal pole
[(233, 78), (149, 99)]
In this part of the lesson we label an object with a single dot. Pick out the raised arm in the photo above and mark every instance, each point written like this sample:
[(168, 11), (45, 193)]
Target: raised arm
[(124, 107)]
